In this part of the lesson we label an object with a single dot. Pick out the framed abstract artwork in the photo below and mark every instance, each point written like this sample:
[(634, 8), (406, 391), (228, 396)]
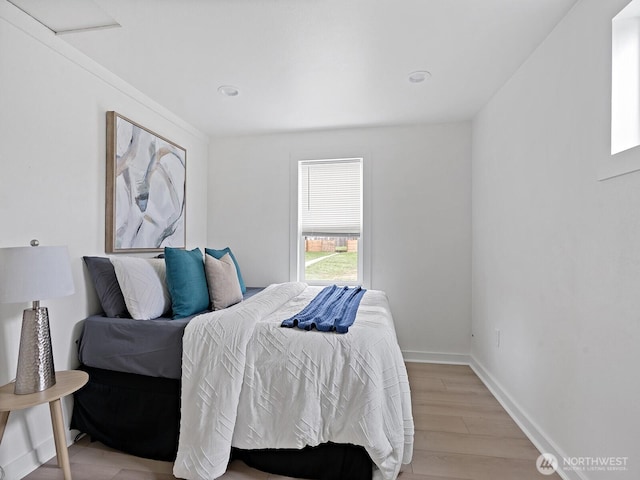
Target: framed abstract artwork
[(145, 194)]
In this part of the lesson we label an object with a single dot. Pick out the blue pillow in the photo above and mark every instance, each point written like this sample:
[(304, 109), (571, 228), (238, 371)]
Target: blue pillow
[(221, 253), (186, 281)]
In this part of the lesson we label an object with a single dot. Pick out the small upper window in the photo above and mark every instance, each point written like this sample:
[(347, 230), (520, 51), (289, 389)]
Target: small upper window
[(625, 79)]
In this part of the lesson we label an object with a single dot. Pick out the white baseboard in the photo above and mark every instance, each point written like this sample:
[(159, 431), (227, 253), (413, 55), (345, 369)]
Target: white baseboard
[(433, 357), (541, 441), (27, 463)]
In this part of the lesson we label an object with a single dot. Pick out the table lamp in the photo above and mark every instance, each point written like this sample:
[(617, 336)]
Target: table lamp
[(26, 274)]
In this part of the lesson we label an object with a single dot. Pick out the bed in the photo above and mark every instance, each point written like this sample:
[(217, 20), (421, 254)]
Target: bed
[(233, 383)]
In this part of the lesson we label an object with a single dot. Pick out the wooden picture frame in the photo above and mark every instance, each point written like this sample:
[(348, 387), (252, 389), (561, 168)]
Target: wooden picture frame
[(145, 189)]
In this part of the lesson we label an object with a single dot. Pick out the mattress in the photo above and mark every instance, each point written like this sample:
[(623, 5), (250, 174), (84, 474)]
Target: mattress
[(145, 347)]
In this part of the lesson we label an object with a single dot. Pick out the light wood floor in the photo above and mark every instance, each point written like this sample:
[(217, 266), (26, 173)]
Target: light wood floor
[(462, 433)]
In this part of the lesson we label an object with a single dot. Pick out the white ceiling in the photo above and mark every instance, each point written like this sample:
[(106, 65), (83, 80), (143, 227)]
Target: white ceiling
[(317, 64)]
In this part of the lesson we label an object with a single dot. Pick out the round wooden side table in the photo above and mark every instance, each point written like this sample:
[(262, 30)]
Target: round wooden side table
[(67, 382)]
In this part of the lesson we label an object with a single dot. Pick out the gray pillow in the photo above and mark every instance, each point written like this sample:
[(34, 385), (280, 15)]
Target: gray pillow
[(107, 287), (222, 280)]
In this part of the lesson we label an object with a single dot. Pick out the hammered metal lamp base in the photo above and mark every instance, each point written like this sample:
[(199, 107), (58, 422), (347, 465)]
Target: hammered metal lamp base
[(35, 359)]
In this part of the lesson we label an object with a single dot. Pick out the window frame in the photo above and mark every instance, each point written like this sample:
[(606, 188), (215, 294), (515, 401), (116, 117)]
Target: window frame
[(625, 79), (296, 244), (617, 162)]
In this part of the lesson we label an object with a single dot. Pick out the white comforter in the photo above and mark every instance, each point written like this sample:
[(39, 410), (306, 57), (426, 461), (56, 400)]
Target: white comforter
[(249, 383)]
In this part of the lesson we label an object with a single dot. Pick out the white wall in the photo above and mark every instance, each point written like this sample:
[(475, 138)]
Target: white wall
[(556, 253), (420, 194), (52, 183)]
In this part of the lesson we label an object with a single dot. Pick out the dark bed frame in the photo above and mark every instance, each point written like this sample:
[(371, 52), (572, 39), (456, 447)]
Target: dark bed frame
[(140, 415)]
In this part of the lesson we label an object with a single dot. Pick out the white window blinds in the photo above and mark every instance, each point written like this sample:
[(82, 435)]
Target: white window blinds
[(331, 197)]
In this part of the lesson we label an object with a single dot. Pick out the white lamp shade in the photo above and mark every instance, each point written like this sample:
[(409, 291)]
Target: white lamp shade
[(34, 273)]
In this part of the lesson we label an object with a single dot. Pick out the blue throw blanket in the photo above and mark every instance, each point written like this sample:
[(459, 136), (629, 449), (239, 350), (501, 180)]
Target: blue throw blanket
[(334, 308)]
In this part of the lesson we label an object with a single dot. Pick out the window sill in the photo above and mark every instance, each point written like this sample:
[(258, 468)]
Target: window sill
[(620, 163)]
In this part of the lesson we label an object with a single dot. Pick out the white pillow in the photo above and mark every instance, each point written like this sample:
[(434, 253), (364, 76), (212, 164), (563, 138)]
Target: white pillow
[(144, 286), (222, 280)]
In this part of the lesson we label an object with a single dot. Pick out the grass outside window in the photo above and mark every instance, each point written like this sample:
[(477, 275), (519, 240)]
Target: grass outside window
[(337, 267)]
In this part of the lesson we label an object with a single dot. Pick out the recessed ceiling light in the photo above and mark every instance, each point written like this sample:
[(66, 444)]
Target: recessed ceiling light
[(228, 91), (419, 76)]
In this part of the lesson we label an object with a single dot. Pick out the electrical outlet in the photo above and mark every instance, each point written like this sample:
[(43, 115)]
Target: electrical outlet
[(497, 338)]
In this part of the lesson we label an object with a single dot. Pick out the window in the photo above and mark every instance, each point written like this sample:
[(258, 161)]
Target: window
[(625, 95), (329, 238), (625, 79)]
